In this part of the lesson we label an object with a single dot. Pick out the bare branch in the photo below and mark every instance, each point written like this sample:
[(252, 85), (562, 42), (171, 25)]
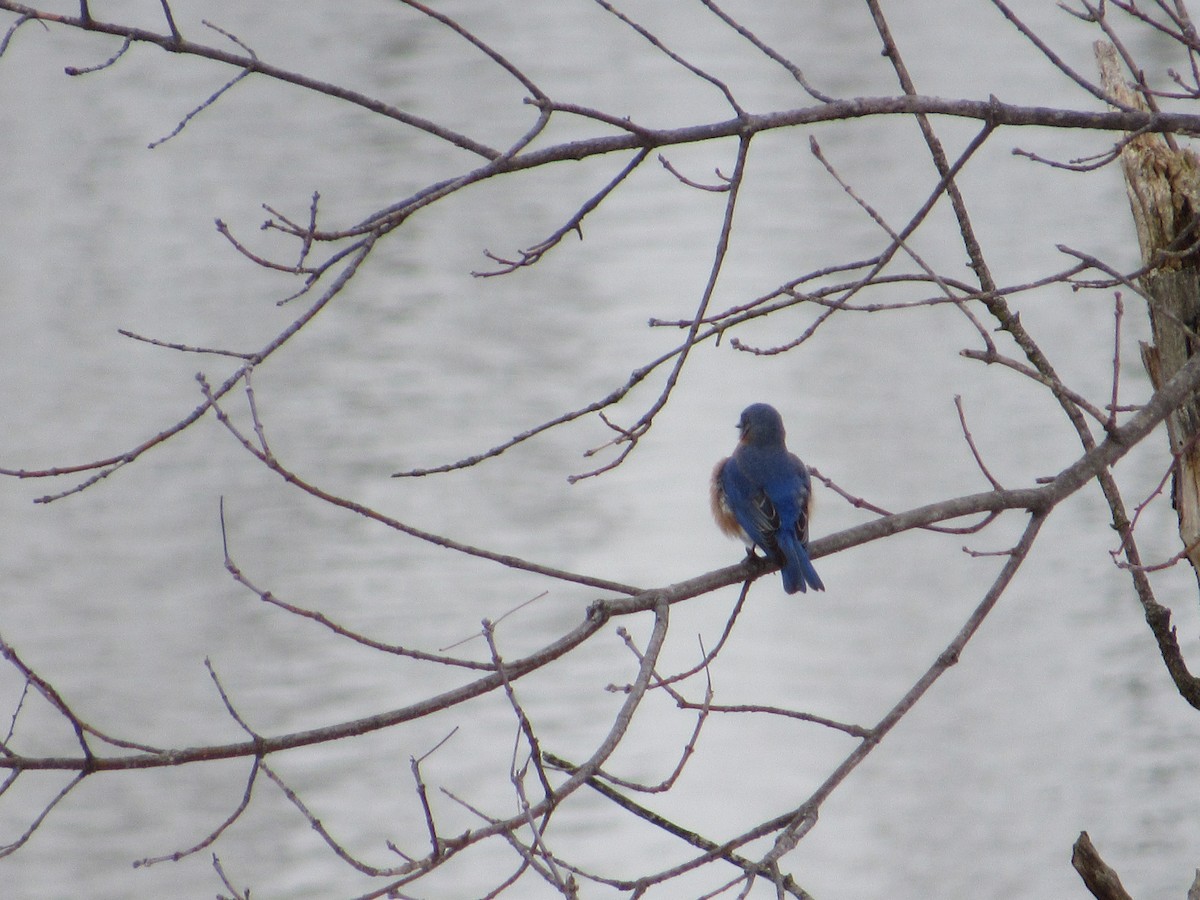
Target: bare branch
[(1053, 57), (962, 419), (534, 254), (13, 846), (212, 836), (107, 466), (767, 51), (236, 894), (674, 57), (634, 432)]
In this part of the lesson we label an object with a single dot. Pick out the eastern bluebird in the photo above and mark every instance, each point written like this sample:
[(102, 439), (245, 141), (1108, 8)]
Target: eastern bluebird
[(763, 495)]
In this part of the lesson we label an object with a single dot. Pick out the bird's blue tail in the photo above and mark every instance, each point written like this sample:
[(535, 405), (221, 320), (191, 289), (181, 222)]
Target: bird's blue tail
[(798, 572)]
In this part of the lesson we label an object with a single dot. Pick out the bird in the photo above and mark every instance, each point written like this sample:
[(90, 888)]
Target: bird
[(762, 494)]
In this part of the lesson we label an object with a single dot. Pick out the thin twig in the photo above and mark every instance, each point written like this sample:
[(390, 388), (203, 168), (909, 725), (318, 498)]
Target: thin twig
[(962, 420), (218, 93), (213, 835)]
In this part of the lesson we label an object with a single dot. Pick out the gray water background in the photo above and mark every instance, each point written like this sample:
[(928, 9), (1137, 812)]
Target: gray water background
[(1059, 716)]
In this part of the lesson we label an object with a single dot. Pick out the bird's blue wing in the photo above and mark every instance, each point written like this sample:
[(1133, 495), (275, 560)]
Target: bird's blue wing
[(798, 571), (788, 490), (749, 504), (803, 494)]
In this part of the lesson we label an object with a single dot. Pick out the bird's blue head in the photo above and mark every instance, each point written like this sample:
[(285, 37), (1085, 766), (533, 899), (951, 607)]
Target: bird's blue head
[(761, 425)]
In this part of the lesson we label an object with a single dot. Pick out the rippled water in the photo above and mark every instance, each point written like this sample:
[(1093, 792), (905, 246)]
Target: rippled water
[(1059, 717)]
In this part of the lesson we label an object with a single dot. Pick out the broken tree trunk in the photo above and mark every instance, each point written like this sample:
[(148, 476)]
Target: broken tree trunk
[(1163, 184), (1097, 875)]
